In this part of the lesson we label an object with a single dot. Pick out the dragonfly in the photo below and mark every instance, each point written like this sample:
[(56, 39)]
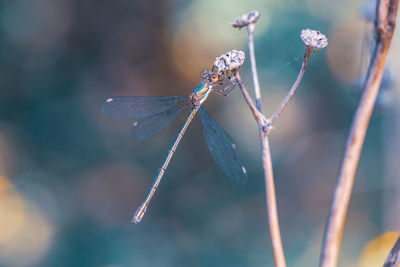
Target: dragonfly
[(152, 114)]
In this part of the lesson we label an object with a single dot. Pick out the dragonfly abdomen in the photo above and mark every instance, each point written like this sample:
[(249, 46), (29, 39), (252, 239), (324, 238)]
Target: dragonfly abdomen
[(143, 207)]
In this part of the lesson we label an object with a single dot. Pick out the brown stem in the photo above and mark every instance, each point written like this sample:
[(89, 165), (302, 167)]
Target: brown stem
[(260, 118), (257, 94), (272, 210), (386, 14), (273, 221), (264, 129), (286, 100), (393, 259)]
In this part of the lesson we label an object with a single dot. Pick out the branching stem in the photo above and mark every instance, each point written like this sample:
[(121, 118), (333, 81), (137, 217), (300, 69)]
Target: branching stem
[(289, 96), (270, 195), (313, 40)]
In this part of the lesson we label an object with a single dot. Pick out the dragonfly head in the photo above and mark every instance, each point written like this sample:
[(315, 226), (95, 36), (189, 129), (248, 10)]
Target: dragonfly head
[(209, 76)]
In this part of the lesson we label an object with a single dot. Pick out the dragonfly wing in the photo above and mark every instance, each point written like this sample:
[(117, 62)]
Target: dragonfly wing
[(151, 125), (131, 108), (222, 148)]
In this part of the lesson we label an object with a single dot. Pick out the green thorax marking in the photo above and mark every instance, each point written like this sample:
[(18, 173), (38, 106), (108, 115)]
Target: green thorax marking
[(201, 91)]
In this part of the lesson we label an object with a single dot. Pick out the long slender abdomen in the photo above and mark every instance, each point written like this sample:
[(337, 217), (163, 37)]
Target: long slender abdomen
[(143, 207)]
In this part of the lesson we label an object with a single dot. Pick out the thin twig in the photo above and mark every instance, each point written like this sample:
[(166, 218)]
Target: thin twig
[(393, 259), (386, 14), (260, 118), (270, 195), (313, 40), (285, 101), (250, 31), (272, 207), (248, 21)]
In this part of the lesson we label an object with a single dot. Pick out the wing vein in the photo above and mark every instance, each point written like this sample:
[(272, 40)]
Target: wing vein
[(133, 108), (222, 148)]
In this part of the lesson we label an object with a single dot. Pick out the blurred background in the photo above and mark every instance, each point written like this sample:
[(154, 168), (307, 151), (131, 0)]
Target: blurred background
[(71, 178)]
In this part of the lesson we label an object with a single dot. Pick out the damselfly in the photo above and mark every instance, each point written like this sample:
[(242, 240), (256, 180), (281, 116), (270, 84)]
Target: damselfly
[(152, 114)]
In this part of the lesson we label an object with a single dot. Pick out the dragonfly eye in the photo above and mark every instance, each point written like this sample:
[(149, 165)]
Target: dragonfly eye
[(214, 77), (204, 75)]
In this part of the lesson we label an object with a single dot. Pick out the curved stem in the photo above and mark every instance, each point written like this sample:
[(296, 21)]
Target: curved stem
[(270, 195), (289, 96), (250, 31), (272, 210), (386, 14), (393, 259)]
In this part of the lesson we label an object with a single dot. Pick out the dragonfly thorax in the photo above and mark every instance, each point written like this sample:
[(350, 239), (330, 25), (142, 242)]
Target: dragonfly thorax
[(200, 93)]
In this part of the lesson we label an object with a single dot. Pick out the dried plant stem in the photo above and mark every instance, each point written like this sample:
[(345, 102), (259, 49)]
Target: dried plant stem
[(264, 129), (286, 100), (386, 14), (313, 40), (260, 118), (272, 210), (270, 195), (393, 259), (250, 31), (274, 229)]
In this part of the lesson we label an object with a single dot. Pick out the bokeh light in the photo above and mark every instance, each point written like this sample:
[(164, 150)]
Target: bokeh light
[(197, 40), (376, 251), (71, 177), (25, 230), (346, 52)]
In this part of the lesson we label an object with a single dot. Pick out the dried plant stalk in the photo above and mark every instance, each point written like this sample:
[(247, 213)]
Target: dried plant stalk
[(248, 21), (313, 40), (272, 210), (386, 14), (393, 259)]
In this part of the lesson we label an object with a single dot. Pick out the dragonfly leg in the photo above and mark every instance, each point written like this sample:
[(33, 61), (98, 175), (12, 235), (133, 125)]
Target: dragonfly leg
[(225, 91), (222, 80)]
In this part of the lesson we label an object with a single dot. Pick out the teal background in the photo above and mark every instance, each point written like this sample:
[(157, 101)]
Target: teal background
[(71, 178)]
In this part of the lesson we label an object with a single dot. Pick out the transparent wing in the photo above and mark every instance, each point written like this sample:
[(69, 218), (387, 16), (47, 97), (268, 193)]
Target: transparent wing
[(151, 125), (222, 148), (131, 108)]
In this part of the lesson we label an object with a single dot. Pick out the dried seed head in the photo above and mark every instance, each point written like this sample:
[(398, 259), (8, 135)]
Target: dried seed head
[(246, 19), (229, 61), (314, 39)]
